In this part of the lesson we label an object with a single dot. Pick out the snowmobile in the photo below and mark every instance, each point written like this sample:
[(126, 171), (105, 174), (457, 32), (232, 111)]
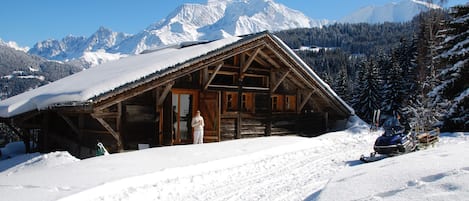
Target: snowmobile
[(396, 142), (392, 143)]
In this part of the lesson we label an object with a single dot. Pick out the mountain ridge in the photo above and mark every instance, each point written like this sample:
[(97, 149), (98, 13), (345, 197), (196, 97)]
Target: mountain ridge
[(191, 22), (391, 12)]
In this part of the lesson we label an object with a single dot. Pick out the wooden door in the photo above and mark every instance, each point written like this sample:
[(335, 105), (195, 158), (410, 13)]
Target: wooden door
[(184, 105), (210, 111)]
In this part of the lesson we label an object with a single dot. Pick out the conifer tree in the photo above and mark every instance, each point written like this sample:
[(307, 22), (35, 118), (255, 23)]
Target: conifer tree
[(453, 76), (367, 97), (341, 85)]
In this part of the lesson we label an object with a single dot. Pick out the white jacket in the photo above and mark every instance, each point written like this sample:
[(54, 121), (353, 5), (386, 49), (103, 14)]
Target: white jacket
[(198, 123)]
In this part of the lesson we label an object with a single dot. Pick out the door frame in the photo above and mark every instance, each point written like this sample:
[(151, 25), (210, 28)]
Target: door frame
[(195, 104)]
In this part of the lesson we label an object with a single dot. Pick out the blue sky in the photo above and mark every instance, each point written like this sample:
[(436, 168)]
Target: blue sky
[(29, 21)]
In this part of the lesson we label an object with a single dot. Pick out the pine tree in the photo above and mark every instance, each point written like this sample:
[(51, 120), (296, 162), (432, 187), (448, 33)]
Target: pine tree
[(341, 85), (409, 102), (429, 112), (367, 97), (453, 76)]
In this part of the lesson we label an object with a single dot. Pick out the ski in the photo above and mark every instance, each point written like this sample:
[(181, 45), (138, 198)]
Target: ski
[(373, 157)]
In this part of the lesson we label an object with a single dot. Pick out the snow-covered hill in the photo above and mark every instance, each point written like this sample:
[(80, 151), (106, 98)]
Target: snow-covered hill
[(269, 168), (403, 11), (20, 71)]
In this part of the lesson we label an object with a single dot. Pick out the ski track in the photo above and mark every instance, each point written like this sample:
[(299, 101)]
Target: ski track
[(304, 169)]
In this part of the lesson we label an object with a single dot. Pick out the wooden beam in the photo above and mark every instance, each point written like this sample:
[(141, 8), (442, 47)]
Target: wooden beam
[(108, 127), (213, 75), (165, 92), (26, 116), (302, 78), (278, 82), (296, 82), (205, 75), (251, 59), (270, 60), (305, 100), (279, 56), (106, 114), (70, 123), (299, 75), (16, 131)]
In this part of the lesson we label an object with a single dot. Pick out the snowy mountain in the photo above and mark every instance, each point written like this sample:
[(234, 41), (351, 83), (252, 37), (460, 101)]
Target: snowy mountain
[(77, 48), (214, 20), (217, 19), (13, 45), (403, 11)]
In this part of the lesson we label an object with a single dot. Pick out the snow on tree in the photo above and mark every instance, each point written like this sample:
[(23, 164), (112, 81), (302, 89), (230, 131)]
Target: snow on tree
[(453, 76), (341, 85), (367, 96), (404, 74), (391, 91)]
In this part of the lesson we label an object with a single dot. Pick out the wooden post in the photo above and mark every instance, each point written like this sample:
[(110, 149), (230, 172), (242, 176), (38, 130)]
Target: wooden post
[(157, 118), (119, 119), (26, 137), (268, 126), (168, 120), (81, 126), (44, 145), (240, 109), (326, 121)]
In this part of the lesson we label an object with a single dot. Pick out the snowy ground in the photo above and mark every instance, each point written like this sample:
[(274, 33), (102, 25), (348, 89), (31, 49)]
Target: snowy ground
[(270, 168)]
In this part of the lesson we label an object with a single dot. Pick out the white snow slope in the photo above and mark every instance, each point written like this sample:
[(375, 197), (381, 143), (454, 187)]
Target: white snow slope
[(403, 11), (269, 168)]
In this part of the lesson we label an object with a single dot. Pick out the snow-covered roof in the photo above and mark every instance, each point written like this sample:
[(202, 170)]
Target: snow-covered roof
[(83, 87)]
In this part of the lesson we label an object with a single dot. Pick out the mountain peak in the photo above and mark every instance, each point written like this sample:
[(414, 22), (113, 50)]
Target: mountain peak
[(13, 45), (217, 19), (402, 11)]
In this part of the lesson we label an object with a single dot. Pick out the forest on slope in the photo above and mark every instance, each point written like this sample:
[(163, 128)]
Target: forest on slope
[(418, 69)]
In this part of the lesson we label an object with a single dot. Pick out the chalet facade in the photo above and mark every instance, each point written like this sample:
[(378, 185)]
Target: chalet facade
[(244, 87)]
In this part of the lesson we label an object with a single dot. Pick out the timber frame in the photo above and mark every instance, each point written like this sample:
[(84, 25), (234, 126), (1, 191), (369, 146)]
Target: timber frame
[(254, 87)]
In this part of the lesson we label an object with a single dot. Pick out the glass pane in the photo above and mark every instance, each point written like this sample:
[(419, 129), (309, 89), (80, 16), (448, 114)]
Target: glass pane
[(175, 115), (185, 116)]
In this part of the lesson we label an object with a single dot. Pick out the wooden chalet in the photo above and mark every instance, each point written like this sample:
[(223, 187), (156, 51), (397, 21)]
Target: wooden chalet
[(245, 86)]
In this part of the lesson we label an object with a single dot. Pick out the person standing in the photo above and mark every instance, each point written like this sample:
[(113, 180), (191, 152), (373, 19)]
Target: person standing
[(198, 127)]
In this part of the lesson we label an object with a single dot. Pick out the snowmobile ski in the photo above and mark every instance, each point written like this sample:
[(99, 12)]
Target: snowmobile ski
[(372, 157)]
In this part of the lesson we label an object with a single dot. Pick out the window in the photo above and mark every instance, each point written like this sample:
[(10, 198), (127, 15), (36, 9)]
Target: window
[(283, 103), (231, 102), (275, 103), (290, 103)]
